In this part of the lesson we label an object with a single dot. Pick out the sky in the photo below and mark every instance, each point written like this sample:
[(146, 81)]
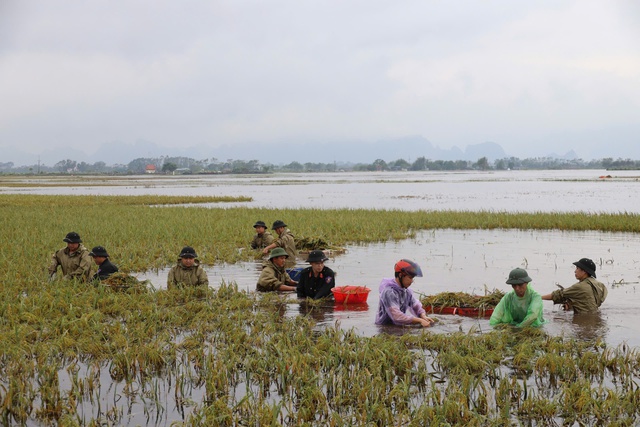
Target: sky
[(534, 77)]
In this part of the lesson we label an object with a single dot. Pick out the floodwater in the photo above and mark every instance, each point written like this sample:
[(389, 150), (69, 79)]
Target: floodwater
[(511, 191), (453, 260), (469, 261), (472, 261)]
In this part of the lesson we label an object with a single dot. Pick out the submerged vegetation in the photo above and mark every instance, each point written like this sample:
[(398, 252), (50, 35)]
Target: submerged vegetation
[(79, 354)]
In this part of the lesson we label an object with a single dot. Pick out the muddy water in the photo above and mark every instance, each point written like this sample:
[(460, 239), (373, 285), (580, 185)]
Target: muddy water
[(472, 261)]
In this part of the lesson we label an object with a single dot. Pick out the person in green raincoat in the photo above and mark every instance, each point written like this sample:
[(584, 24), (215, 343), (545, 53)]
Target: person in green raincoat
[(522, 306)]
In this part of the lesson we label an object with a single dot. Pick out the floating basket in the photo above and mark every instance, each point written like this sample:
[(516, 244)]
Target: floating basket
[(350, 294)]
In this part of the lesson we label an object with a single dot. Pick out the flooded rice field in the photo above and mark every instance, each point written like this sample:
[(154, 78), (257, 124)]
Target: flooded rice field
[(453, 260), (509, 191), (237, 380), (473, 261)]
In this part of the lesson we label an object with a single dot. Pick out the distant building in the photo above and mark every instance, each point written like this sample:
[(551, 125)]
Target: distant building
[(150, 169)]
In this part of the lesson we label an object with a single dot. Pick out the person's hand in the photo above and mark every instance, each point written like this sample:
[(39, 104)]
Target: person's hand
[(426, 322), (265, 251)]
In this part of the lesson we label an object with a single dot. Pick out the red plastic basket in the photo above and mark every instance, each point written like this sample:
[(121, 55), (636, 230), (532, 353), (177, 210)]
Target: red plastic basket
[(351, 294)]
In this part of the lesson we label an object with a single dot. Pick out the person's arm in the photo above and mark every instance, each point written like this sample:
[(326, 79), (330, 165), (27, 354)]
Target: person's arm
[(396, 315), (289, 284), (268, 281), (53, 265), (562, 296), (171, 279), (400, 318), (417, 308), (534, 313), (420, 311), (499, 314), (273, 245), (289, 244)]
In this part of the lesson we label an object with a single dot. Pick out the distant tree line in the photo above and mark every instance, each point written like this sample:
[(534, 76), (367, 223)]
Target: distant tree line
[(186, 165)]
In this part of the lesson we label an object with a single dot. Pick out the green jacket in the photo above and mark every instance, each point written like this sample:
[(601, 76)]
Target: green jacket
[(261, 242), (520, 312), (584, 297), (287, 242), (272, 277), (75, 265), (180, 275)]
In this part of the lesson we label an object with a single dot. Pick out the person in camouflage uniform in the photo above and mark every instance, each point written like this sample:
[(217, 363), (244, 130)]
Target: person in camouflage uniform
[(586, 295), (286, 241), (188, 271), (262, 238), (274, 276), (73, 259)]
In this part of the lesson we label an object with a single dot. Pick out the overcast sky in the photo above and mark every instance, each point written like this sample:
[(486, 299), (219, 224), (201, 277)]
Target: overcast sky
[(534, 77)]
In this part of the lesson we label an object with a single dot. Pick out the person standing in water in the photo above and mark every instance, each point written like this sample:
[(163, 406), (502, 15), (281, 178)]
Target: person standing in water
[(398, 305)]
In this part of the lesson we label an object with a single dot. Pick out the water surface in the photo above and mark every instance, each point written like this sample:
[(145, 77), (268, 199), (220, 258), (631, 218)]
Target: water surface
[(509, 191), (473, 261)]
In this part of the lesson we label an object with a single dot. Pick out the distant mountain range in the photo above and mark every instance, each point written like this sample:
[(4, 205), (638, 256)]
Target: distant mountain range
[(407, 148)]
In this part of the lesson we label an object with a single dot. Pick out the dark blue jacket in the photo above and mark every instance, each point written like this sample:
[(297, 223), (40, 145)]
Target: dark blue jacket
[(105, 270), (316, 287)]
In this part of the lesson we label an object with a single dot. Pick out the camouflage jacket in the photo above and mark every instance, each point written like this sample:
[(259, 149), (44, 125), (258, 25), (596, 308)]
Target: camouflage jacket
[(262, 241), (180, 275), (75, 265), (272, 277), (584, 297), (287, 242)]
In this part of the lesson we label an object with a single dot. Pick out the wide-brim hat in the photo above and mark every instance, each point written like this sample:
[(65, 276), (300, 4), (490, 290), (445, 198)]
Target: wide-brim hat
[(518, 276), (188, 252), (278, 224), (259, 224), (72, 237), (278, 252), (317, 256), (99, 251), (587, 265)]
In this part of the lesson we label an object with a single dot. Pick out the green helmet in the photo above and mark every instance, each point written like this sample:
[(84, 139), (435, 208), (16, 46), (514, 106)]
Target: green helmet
[(518, 276), (278, 252)]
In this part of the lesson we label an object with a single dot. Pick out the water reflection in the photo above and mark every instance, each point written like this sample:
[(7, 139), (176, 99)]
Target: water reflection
[(589, 326), (318, 311), (363, 306)]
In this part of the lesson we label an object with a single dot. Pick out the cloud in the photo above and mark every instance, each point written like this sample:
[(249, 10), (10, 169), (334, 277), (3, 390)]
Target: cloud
[(529, 76)]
